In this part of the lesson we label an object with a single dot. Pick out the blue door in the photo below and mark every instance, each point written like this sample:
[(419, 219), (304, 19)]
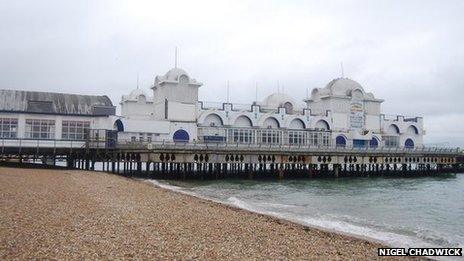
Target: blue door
[(409, 144), (181, 136), (118, 125), (340, 141)]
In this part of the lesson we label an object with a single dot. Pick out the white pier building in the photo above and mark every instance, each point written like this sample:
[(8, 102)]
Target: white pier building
[(342, 114)]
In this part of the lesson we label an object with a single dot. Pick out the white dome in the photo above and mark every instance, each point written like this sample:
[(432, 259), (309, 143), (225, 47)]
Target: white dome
[(277, 100), (136, 93), (174, 74), (343, 86)]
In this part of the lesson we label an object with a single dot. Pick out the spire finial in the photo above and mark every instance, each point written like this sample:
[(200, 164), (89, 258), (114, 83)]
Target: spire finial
[(343, 73), (175, 57), (256, 91), (228, 91), (137, 80)]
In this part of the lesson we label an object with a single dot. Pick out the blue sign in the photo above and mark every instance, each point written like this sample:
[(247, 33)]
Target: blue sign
[(214, 138)]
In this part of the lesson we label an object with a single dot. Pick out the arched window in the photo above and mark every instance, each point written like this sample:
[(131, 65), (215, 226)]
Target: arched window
[(297, 124), (181, 136), (409, 143), (393, 129), (213, 120), (271, 123), (288, 107), (183, 79), (373, 143), (322, 124), (295, 133), (412, 130), (357, 94), (142, 98), (242, 121), (118, 126), (340, 141)]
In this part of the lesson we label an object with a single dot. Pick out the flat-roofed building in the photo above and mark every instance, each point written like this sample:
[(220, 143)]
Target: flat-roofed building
[(31, 115)]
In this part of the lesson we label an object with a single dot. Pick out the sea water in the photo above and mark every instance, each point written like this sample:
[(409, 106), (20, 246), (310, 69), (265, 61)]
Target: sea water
[(400, 212)]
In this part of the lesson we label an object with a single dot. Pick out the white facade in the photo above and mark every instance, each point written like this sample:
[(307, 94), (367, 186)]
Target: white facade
[(53, 130), (357, 119), (55, 119), (340, 114), (171, 109)]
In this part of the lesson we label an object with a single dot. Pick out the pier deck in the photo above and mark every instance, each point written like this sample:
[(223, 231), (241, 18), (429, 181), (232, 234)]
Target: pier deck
[(222, 160)]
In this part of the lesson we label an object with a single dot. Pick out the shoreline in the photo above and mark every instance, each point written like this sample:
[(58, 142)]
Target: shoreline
[(77, 214), (176, 189)]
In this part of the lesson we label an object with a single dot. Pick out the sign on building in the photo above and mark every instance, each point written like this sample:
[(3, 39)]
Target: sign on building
[(356, 112)]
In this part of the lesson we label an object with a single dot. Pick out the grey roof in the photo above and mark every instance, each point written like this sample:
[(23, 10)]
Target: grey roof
[(55, 103)]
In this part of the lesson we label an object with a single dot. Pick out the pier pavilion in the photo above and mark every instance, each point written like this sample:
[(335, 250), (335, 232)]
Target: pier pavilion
[(338, 130), (342, 114)]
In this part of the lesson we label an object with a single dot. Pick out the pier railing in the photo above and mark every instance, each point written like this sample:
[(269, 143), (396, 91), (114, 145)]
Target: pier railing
[(20, 143), (282, 148)]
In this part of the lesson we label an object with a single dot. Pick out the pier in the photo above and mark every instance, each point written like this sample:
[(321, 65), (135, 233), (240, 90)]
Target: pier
[(170, 160), (171, 134)]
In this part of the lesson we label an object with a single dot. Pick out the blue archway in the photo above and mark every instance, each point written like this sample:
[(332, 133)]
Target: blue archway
[(409, 143), (373, 143), (181, 136), (340, 141), (118, 125)]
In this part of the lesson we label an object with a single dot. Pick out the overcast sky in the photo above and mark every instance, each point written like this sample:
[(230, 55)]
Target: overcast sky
[(409, 53)]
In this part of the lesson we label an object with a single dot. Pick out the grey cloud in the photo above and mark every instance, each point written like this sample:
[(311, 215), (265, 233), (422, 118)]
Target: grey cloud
[(406, 52)]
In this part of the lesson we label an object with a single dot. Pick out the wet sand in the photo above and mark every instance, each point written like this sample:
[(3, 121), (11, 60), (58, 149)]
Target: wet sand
[(72, 214)]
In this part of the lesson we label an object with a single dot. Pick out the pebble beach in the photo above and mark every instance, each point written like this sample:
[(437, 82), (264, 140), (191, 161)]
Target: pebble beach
[(73, 214)]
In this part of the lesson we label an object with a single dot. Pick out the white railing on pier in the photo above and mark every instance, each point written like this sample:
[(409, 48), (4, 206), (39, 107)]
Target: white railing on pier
[(282, 148), (49, 143), (159, 145)]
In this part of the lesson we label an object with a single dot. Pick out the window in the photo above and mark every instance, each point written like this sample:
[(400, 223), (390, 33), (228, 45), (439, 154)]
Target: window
[(325, 139), (359, 143), (141, 137), (133, 139), (8, 128), (340, 142), (288, 107), (40, 129), (270, 136), (295, 137), (183, 79), (319, 139), (241, 135), (391, 141), (75, 130), (149, 138)]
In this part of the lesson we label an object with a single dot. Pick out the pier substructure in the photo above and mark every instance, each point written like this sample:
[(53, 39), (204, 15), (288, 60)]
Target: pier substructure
[(184, 161)]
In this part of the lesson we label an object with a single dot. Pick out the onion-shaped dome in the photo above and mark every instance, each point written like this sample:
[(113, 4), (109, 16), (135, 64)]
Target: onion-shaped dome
[(278, 100), (176, 75), (343, 86), (340, 87), (136, 93)]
